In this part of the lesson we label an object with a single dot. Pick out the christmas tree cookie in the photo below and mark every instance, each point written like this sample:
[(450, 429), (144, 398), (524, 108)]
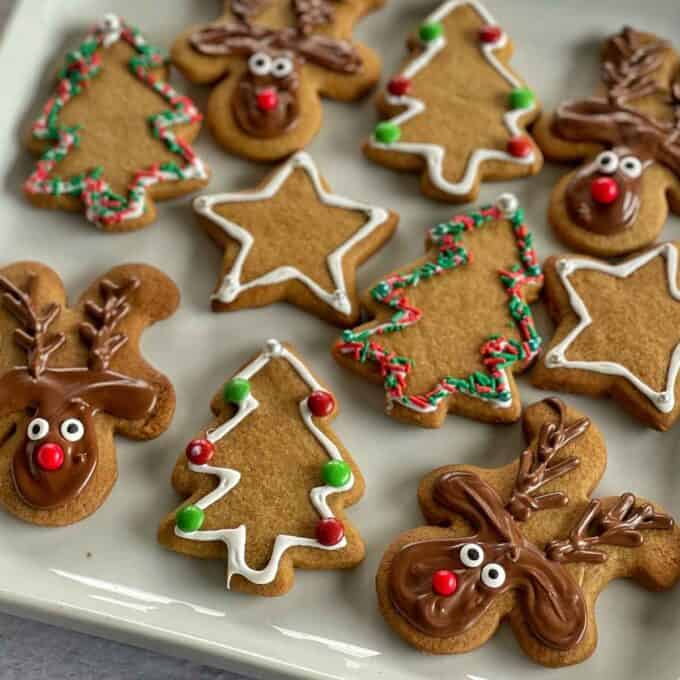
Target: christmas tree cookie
[(270, 61), (267, 480), (456, 112), (452, 328), (114, 136), (524, 543)]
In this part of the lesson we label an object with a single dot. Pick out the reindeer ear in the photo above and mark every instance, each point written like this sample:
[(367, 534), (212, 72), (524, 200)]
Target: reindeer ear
[(588, 120), (333, 54), (17, 391)]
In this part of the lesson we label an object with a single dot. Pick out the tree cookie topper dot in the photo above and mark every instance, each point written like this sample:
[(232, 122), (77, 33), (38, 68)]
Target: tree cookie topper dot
[(282, 479), (525, 544), (469, 129), (271, 61), (82, 122)]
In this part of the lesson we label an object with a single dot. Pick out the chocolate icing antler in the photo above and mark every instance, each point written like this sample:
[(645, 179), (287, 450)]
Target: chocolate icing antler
[(621, 525)]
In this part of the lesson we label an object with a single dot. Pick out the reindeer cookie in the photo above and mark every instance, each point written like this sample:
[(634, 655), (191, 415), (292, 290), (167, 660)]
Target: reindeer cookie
[(628, 137), (526, 544), (71, 378), (270, 61)]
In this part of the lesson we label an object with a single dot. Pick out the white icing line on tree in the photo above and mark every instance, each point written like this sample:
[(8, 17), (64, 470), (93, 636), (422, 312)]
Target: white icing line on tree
[(434, 153), (231, 286), (235, 539), (664, 401)]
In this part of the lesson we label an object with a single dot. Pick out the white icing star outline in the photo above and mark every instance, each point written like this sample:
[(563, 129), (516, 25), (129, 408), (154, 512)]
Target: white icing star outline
[(231, 286), (434, 153), (664, 401)]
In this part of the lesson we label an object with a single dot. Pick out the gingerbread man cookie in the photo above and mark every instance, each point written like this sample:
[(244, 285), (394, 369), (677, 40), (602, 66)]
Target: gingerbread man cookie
[(456, 112), (628, 137), (617, 331), (270, 61), (70, 379), (293, 239), (267, 480), (114, 136), (452, 328), (526, 544)]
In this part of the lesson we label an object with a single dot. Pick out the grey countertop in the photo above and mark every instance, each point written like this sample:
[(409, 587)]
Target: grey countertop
[(31, 650)]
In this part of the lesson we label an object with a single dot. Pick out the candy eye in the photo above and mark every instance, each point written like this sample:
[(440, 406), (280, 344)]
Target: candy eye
[(260, 64), (607, 162), (37, 429), (471, 555), (72, 430), (282, 67), (493, 575), (631, 167)]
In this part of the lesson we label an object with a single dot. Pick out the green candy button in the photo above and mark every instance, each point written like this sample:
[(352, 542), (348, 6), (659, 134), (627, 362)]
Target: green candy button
[(387, 133), (336, 473), (521, 98), (236, 391), (430, 31), (190, 518)]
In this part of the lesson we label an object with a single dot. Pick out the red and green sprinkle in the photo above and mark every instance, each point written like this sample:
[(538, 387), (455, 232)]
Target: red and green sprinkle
[(103, 206), (498, 353)]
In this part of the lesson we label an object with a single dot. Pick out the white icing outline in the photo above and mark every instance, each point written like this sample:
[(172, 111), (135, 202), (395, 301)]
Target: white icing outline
[(231, 286), (556, 358), (235, 539), (434, 153)]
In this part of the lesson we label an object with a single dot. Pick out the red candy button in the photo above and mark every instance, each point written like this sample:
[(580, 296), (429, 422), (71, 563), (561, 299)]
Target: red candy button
[(399, 86), (330, 531), (604, 190), (444, 582), (267, 100), (520, 147), (321, 403), (200, 451), (50, 456), (490, 34)]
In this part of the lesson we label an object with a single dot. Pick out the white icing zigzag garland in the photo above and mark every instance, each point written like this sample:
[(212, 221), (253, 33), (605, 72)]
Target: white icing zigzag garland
[(232, 286), (664, 401), (235, 539), (434, 153)]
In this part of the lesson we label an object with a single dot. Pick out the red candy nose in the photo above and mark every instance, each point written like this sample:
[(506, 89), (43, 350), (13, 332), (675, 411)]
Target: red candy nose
[(604, 190), (267, 100), (50, 456), (444, 582)]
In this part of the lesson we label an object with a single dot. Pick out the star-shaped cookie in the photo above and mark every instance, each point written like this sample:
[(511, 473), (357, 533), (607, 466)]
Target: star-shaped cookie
[(618, 331), (292, 239)]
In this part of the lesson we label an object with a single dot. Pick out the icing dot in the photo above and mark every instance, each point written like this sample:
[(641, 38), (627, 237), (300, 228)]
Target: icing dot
[(200, 451), (430, 31), (490, 34), (399, 86), (50, 456), (236, 391), (553, 359), (201, 203), (520, 147), (521, 98), (507, 204), (336, 473), (274, 347), (444, 582), (321, 403), (564, 266), (387, 133), (189, 518), (330, 531)]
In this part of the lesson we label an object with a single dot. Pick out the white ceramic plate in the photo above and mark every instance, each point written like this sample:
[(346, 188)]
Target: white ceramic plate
[(108, 576)]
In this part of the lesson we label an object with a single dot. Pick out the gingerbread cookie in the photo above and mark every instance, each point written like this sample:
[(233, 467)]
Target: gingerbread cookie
[(452, 328), (617, 331), (293, 239), (628, 140), (71, 378), (526, 544), (457, 113), (270, 61), (267, 480), (115, 136)]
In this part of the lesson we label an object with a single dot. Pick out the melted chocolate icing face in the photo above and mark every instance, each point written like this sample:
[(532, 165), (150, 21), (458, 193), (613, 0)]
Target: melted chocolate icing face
[(604, 195), (265, 104)]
